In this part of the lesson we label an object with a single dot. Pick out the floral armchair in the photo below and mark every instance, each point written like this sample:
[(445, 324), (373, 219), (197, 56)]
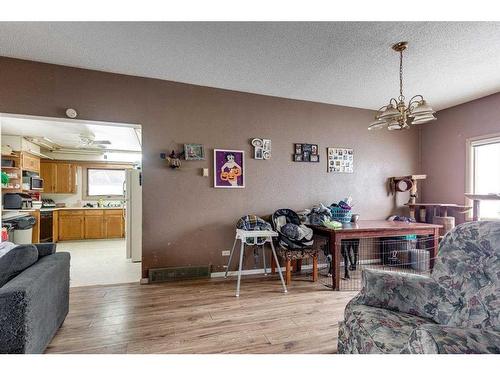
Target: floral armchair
[(455, 310)]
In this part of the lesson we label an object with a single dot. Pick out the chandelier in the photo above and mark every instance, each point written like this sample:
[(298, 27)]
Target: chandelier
[(398, 115)]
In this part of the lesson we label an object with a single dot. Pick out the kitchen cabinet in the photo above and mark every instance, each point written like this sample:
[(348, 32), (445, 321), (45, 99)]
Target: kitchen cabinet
[(65, 178), (93, 224), (71, 225), (90, 224), (114, 224), (58, 177), (55, 225), (48, 173), (30, 162)]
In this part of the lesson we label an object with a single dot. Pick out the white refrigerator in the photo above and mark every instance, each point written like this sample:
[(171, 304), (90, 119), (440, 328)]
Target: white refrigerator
[(133, 214)]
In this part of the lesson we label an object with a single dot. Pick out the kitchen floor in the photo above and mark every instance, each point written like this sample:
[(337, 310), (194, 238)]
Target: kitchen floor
[(100, 262)]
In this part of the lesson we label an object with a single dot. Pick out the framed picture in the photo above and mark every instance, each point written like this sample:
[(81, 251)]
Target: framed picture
[(262, 149), (306, 152), (229, 168), (194, 151), (340, 160), (258, 153)]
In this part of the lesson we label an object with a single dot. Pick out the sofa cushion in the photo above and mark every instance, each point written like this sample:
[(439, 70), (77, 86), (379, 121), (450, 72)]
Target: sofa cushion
[(378, 330), (468, 268), (15, 261)]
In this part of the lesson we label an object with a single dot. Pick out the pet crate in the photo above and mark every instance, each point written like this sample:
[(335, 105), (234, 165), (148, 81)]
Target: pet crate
[(407, 254)]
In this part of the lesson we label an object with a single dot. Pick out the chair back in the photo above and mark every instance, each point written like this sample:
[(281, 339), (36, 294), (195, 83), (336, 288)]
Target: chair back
[(468, 269)]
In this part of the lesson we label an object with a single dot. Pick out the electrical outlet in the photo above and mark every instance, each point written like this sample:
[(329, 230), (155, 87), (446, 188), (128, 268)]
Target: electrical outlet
[(226, 253)]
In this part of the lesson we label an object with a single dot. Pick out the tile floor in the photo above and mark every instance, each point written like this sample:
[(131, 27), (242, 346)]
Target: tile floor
[(100, 262)]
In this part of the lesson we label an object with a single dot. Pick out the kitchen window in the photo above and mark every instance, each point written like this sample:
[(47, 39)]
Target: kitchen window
[(103, 182), (484, 172)]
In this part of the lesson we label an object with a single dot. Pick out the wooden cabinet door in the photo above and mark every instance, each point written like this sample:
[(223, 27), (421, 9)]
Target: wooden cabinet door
[(113, 226), (94, 227), (55, 226), (48, 173), (70, 228), (65, 178), (30, 162)]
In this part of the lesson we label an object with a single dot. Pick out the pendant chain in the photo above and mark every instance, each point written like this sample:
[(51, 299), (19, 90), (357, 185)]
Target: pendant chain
[(401, 75)]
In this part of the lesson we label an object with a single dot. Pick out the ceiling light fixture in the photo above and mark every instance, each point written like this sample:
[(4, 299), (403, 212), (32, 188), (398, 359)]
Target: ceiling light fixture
[(396, 115)]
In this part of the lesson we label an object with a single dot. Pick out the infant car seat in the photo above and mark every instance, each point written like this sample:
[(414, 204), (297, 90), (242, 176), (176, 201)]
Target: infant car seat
[(287, 223)]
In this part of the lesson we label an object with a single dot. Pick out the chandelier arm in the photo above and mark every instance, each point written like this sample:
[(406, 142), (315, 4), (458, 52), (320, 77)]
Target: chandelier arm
[(395, 101), (416, 96)]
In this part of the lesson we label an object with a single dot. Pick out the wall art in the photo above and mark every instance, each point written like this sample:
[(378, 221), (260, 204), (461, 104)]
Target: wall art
[(306, 152), (194, 151), (229, 168), (340, 160), (262, 148)]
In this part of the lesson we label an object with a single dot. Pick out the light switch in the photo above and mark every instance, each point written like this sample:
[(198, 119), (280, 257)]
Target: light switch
[(204, 172)]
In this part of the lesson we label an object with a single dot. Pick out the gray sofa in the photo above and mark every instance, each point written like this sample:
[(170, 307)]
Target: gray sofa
[(456, 310), (34, 302)]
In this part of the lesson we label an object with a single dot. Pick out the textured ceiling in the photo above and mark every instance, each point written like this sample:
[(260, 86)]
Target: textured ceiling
[(346, 63)]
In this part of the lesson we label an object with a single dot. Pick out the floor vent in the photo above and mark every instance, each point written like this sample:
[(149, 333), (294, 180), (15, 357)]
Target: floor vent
[(158, 275)]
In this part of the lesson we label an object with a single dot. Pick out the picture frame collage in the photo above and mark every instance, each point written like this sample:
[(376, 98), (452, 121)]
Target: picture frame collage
[(262, 148), (306, 152), (340, 160)]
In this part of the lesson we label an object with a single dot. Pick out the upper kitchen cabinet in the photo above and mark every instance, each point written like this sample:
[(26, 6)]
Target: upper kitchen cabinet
[(48, 173), (58, 177), (30, 162)]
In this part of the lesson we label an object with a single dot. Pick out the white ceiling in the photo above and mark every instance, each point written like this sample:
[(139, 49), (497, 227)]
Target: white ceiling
[(346, 63), (67, 133)]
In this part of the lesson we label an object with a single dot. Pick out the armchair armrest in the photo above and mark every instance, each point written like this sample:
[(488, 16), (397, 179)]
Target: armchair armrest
[(46, 248), (407, 293), (439, 339)]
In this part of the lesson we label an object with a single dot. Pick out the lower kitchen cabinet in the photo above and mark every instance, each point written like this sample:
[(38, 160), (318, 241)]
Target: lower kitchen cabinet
[(90, 224), (94, 225), (113, 225), (71, 225)]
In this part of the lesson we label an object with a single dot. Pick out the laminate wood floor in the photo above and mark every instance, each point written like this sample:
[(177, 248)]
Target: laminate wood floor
[(202, 317)]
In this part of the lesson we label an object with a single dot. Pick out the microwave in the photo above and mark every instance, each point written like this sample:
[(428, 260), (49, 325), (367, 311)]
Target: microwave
[(32, 181)]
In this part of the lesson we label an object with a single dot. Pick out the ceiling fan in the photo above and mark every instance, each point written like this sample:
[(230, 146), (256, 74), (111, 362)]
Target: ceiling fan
[(88, 141)]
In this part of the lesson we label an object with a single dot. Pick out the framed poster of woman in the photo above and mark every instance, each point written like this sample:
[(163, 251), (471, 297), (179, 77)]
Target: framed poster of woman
[(229, 168)]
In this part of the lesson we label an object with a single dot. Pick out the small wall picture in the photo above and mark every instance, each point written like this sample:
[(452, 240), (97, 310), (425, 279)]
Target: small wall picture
[(262, 149), (306, 152), (194, 151), (229, 168), (340, 160)]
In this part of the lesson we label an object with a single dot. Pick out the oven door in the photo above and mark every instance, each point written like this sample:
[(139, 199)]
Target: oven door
[(46, 224)]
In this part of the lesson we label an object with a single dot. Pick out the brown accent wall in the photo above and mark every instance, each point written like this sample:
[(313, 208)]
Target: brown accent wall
[(185, 220), (443, 147)]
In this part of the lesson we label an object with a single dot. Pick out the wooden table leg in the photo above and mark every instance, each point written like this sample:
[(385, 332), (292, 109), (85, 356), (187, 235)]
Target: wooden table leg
[(288, 272), (315, 269), (298, 265)]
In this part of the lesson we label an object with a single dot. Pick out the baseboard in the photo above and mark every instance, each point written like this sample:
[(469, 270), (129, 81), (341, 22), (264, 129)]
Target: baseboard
[(258, 271)]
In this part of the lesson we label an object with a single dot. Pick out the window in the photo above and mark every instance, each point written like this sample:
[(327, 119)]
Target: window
[(484, 174), (105, 182)]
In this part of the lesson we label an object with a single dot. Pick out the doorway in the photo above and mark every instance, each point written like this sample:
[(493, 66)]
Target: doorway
[(83, 181)]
